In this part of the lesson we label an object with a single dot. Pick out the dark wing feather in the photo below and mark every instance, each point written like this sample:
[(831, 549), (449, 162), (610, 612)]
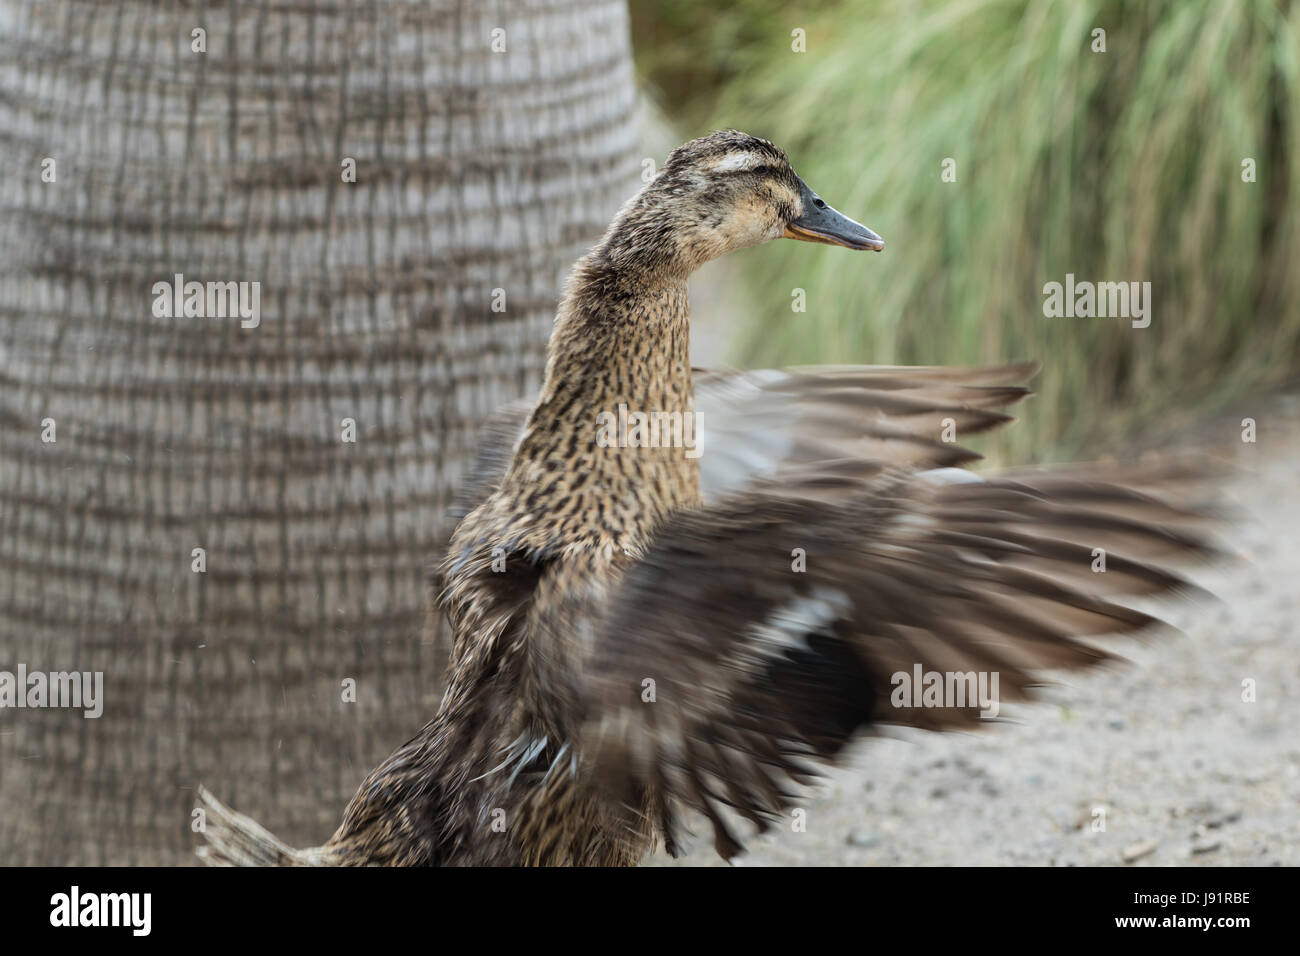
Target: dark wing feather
[(761, 671)]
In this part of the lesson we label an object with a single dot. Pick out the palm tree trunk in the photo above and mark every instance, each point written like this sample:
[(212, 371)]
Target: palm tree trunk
[(476, 169)]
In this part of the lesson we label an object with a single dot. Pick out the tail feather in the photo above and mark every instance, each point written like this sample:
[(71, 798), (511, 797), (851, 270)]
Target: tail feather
[(236, 840)]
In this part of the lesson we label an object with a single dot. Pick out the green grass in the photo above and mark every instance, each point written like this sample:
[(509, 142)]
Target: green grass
[(1115, 166)]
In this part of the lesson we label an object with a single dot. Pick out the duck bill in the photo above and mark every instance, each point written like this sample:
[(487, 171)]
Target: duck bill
[(821, 223)]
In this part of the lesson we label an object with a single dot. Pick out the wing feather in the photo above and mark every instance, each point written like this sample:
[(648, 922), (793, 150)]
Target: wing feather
[(761, 670)]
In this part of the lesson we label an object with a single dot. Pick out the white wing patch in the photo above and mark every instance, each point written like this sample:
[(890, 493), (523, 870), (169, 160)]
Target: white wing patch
[(788, 626)]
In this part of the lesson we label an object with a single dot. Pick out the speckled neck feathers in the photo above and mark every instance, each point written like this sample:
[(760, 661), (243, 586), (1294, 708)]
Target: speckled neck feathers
[(622, 340)]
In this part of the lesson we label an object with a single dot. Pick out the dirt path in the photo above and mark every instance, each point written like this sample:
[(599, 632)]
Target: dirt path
[(1188, 774)]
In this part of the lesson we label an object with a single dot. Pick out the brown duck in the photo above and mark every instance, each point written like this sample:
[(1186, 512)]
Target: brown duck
[(674, 589)]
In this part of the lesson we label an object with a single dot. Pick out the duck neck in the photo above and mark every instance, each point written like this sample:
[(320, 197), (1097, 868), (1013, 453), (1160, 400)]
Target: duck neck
[(614, 434)]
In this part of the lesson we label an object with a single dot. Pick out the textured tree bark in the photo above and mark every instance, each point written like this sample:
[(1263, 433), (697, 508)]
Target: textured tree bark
[(484, 161)]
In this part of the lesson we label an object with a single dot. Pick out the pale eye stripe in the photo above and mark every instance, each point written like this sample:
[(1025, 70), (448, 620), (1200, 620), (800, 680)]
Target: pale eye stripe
[(737, 162)]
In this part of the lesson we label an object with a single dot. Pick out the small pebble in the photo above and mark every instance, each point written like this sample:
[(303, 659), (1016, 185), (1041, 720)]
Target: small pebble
[(1136, 851), (1205, 846), (1223, 817), (863, 840)]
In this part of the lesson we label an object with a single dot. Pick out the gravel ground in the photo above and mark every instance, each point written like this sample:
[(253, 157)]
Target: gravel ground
[(1188, 774)]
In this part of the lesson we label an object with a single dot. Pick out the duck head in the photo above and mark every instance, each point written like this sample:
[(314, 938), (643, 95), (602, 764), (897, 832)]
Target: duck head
[(724, 192)]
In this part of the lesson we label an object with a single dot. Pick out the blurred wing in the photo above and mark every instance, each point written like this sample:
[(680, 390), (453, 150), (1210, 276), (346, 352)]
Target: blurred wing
[(498, 438), (773, 424), (759, 668)]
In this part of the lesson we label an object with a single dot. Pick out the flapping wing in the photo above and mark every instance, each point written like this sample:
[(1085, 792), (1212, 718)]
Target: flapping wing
[(497, 440), (772, 425), (775, 627)]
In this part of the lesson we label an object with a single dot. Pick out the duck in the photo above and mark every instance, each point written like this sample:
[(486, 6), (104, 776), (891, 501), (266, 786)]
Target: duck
[(677, 592)]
